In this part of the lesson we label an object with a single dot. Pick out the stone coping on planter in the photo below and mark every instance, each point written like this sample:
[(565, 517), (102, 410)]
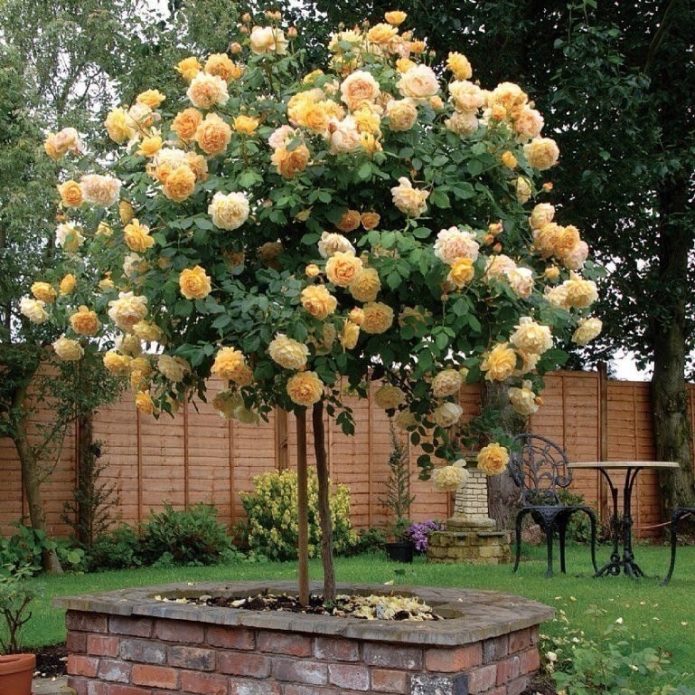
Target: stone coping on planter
[(472, 615)]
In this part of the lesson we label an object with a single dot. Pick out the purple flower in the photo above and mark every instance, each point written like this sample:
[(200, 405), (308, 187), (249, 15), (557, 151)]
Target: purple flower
[(419, 533)]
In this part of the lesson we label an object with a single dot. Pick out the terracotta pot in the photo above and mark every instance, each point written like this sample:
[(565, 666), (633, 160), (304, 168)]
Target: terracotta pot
[(16, 671)]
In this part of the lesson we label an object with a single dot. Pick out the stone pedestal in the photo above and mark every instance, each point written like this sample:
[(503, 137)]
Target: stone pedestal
[(470, 534)]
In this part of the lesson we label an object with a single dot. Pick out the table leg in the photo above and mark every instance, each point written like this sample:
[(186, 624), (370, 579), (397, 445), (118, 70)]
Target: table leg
[(630, 566), (614, 564)]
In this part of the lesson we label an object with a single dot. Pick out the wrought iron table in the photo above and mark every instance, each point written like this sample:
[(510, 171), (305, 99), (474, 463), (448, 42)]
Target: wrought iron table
[(621, 528)]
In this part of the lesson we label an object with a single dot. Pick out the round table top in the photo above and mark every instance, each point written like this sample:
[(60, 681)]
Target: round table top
[(623, 464)]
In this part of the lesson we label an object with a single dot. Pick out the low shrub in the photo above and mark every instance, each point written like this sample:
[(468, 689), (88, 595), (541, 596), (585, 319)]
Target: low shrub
[(16, 594), (25, 548), (369, 540), (271, 509), (184, 537), (116, 549), (419, 533), (579, 526)]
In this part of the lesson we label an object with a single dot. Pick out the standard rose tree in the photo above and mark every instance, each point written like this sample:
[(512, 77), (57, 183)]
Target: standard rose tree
[(295, 233)]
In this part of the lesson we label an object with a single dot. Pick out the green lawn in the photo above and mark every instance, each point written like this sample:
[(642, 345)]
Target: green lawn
[(659, 616)]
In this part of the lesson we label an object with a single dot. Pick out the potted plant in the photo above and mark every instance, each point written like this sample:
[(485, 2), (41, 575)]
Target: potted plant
[(16, 669), (398, 500)]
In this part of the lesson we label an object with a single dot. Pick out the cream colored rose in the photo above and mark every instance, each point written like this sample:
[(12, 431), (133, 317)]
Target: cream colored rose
[(389, 397), (288, 353), (318, 301), (349, 335), (587, 330), (410, 201), (493, 459), (499, 363), (58, 144), (33, 309), (365, 285), (405, 419), (580, 293), (213, 135), (206, 91), (449, 478), (226, 403), (530, 336), (281, 137), (70, 194), (542, 214), (343, 136), (179, 184), (542, 153), (69, 237), (67, 349), (151, 97), (419, 82), (528, 124), (268, 40), (459, 65), (85, 321), (448, 382), (523, 399), (529, 360), (305, 388), (118, 365), (499, 266), (147, 331), (523, 189), (462, 123), (137, 236), (127, 310), (557, 296), (466, 96), (229, 211), (342, 268), (129, 345), (220, 64), (402, 114), (194, 283), (44, 291), (447, 414), (452, 244), (378, 318), (229, 364), (575, 257), (509, 96), (331, 243), (119, 125), (357, 88), (521, 281)]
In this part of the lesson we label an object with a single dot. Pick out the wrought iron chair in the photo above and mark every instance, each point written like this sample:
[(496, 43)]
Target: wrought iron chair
[(538, 467), (679, 513)]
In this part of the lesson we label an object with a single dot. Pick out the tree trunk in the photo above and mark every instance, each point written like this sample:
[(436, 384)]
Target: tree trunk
[(302, 509), (502, 493), (85, 509), (31, 477), (672, 436), (325, 520)]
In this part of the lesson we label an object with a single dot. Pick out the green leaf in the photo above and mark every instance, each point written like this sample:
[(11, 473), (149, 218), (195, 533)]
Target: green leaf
[(365, 171)]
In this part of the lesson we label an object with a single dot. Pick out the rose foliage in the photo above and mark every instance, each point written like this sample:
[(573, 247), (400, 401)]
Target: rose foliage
[(297, 232)]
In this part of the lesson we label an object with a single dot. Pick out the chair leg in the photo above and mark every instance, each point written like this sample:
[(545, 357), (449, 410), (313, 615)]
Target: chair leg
[(592, 519), (675, 518), (519, 519), (562, 532), (549, 532)]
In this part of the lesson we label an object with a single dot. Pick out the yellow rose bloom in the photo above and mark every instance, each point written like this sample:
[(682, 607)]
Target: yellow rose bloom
[(85, 322), (580, 293), (186, 123), (448, 382), (43, 291), (119, 125), (147, 331), (462, 272), (220, 64), (213, 135), (404, 64), (410, 201), (367, 121), (523, 189), (305, 388), (116, 364), (129, 345), (229, 211), (173, 368), (318, 301), (104, 229), (288, 353), (499, 363), (389, 396), (144, 402), (382, 34), (493, 459), (194, 283), (349, 335), (207, 91), (509, 160), (349, 221), (246, 125), (188, 68), (137, 237), (180, 184), (67, 284), (459, 65), (125, 211), (395, 17), (312, 270), (150, 97), (365, 285), (67, 349), (370, 220), (356, 315), (449, 478), (378, 317), (229, 364), (342, 268), (551, 273), (587, 330), (402, 114), (542, 153), (289, 163), (198, 165), (149, 146), (70, 194)]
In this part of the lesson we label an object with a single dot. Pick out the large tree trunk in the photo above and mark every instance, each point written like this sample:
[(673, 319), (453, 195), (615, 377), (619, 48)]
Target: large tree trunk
[(672, 436), (31, 476), (503, 494), (325, 520)]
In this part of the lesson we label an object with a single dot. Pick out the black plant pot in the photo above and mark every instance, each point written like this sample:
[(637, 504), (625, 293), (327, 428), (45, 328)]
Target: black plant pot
[(402, 551)]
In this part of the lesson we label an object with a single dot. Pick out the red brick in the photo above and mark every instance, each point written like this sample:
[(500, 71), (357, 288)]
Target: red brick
[(336, 649), (517, 686), (192, 658), (79, 685), (248, 687), (535, 632), (86, 622), (155, 676), (82, 665), (293, 689), (508, 669), (453, 660), (243, 664), (134, 627), (387, 681), (407, 658), (519, 640), (99, 688), (482, 678), (114, 670), (296, 671), (203, 683), (143, 650), (502, 690), (530, 660), (495, 649), (179, 631), (231, 637), (103, 645), (353, 676), (76, 642), (283, 643)]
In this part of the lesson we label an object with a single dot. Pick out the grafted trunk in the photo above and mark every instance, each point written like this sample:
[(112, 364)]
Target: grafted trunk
[(302, 509), (325, 520)]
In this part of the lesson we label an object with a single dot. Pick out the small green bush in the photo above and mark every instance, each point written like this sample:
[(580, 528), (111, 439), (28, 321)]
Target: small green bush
[(25, 548), (184, 537), (579, 526), (16, 594), (369, 540), (271, 510), (116, 549)]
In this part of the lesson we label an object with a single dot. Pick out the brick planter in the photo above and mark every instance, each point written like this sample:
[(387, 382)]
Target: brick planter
[(126, 643)]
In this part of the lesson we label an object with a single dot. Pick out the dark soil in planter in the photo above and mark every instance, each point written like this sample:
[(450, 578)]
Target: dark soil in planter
[(51, 661), (540, 686)]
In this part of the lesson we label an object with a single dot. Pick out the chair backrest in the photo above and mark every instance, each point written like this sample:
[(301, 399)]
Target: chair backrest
[(538, 466)]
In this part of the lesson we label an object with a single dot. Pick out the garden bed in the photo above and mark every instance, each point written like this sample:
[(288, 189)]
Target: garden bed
[(486, 643)]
